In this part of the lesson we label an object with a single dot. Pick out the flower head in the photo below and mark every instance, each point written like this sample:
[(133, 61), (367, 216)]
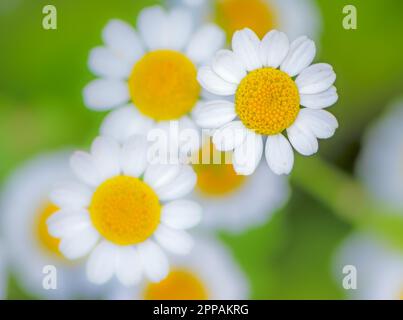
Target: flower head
[(121, 209), (270, 80)]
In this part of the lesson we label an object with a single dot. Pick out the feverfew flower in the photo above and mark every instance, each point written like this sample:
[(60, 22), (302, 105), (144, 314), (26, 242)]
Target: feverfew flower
[(124, 211), (269, 81)]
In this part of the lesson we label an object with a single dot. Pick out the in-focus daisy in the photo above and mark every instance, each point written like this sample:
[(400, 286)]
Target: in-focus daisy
[(380, 162), (270, 80), (25, 206), (209, 272), (235, 202), (149, 75), (379, 267), (124, 211), (295, 17)]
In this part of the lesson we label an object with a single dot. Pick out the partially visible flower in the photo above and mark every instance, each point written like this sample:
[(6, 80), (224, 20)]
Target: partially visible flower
[(148, 76), (269, 79), (25, 206), (124, 211), (235, 202), (3, 273), (380, 163), (209, 272), (294, 17), (379, 267)]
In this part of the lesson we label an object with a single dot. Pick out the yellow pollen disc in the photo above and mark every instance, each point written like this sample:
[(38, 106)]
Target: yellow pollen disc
[(267, 101), (163, 85), (180, 284), (233, 15), (125, 210), (219, 178), (48, 242)]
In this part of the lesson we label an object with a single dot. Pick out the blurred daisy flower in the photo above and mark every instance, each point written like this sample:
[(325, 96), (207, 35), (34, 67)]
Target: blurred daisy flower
[(123, 211), (269, 79), (294, 17), (25, 207), (379, 165), (209, 272), (149, 76), (3, 273), (231, 201), (379, 267)]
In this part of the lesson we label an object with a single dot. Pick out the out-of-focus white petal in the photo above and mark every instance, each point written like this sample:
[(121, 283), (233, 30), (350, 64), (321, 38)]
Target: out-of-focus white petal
[(173, 240), (101, 263), (154, 261), (214, 114), (105, 153), (105, 94), (181, 214), (84, 168)]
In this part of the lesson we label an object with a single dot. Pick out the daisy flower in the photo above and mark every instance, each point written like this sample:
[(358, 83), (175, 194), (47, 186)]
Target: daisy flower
[(269, 79), (25, 206), (3, 273), (379, 164), (209, 272), (148, 75), (235, 202), (124, 211), (295, 17), (379, 267)]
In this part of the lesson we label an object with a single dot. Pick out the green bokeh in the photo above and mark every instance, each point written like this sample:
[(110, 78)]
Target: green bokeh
[(41, 109)]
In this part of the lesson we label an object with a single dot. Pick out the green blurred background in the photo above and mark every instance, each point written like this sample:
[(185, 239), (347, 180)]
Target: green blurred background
[(41, 109)]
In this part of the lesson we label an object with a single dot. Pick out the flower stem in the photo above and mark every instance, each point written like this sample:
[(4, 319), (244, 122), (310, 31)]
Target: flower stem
[(346, 197)]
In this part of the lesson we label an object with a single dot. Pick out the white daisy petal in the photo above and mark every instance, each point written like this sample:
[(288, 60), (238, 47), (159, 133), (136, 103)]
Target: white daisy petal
[(175, 241), (229, 136), (128, 266), (105, 153), (274, 48), (84, 168), (79, 244), (302, 139), (67, 223), (322, 123), (320, 100), (179, 187), (123, 40), (228, 66), (301, 54), (248, 155), (101, 263), (122, 123), (71, 195), (104, 63), (213, 83), (245, 44), (154, 261), (105, 94), (279, 154), (316, 78), (179, 28), (214, 114), (181, 214), (152, 24), (161, 174), (134, 156), (204, 43)]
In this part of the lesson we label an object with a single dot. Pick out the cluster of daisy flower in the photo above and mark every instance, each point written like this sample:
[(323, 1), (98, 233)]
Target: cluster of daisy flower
[(243, 89)]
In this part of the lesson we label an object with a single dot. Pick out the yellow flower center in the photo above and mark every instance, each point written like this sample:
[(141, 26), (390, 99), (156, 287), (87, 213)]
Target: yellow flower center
[(233, 15), (49, 243), (163, 85), (180, 284), (267, 101), (215, 177), (125, 210)]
